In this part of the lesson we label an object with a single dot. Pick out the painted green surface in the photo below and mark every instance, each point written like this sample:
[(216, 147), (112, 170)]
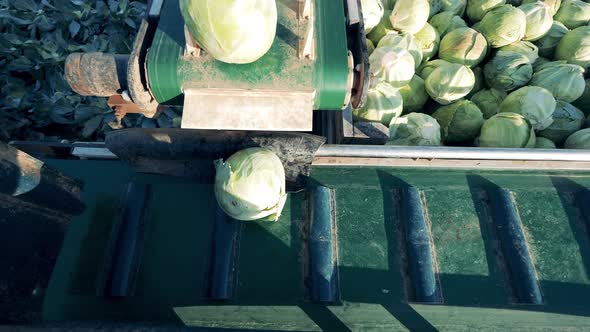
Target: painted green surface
[(170, 72), (271, 292)]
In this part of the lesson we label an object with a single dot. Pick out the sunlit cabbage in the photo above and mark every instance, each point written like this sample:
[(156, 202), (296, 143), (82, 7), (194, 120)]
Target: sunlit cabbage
[(480, 82), (381, 29), (232, 31), (464, 46), (534, 103), (566, 120), (573, 13), (579, 140), (544, 143), (250, 185), (427, 68), (410, 15), (383, 104), (394, 65), (488, 101), (574, 47), (476, 9), (414, 129), (553, 4), (539, 18), (414, 95), (449, 83), (507, 130), (404, 40), (372, 13), (457, 7), (435, 7), (428, 39), (583, 103), (564, 81), (507, 71), (459, 121), (370, 46), (548, 43), (445, 22), (503, 25), (525, 48)]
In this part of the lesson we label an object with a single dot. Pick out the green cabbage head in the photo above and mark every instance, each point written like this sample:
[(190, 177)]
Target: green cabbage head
[(372, 13), (414, 95), (477, 9), (384, 103), (404, 40), (428, 39), (574, 47), (488, 101), (464, 46), (528, 49), (536, 104), (449, 83), (459, 121), (410, 15), (503, 25), (544, 143), (553, 4), (507, 130), (579, 140), (539, 18), (573, 13), (567, 119), (508, 71), (414, 129), (564, 81), (394, 65), (232, 31), (250, 185), (446, 21)]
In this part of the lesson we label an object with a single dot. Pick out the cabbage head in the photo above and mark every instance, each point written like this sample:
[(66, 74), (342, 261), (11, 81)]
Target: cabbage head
[(507, 130), (548, 43), (384, 103), (574, 47), (372, 13), (446, 21), (564, 81), (394, 65), (573, 13), (410, 15), (427, 68), (488, 101), (553, 4), (404, 40), (414, 129), (579, 140), (384, 27), (507, 71), (477, 9), (530, 50), (503, 25), (539, 18), (428, 39), (449, 83), (464, 46), (567, 119), (250, 185), (457, 7), (536, 104), (232, 31), (459, 121), (544, 143)]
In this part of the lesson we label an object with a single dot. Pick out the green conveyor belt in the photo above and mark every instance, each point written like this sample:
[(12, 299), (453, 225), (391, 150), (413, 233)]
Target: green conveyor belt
[(280, 69)]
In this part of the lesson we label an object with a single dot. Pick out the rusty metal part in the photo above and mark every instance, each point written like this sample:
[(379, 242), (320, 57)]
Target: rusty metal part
[(138, 84), (96, 74)]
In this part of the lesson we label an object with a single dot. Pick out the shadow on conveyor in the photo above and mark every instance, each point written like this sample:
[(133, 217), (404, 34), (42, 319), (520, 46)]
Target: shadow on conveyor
[(275, 272)]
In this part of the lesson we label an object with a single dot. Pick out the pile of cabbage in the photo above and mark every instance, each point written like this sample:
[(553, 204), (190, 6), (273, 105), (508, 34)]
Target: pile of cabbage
[(488, 73)]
